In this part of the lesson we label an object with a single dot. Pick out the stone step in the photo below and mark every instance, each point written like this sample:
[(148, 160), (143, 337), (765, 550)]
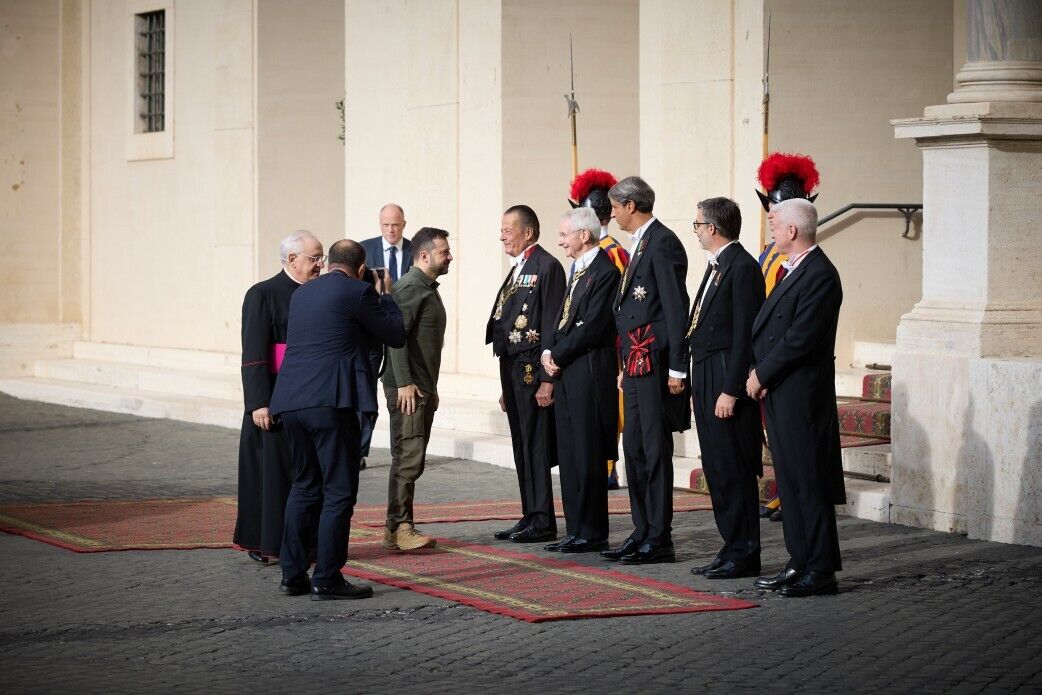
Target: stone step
[(868, 461), (850, 383), (866, 499), (145, 378), (864, 418), (162, 358), (868, 352)]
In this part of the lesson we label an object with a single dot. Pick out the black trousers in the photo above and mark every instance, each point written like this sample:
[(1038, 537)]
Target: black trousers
[(808, 516), (730, 459), (647, 442), (325, 447), (584, 487), (532, 436)]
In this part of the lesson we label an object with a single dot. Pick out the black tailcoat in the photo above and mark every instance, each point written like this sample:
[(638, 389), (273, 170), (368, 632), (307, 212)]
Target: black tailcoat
[(528, 314), (265, 464), (721, 356), (586, 398), (651, 309), (794, 339)]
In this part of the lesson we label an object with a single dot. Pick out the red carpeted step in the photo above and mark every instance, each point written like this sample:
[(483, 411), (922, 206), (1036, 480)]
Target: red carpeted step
[(876, 387), (768, 485), (864, 418)]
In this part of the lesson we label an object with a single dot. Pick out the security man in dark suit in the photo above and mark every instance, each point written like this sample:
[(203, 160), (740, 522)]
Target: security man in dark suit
[(326, 380), (392, 253), (794, 342), (580, 353), (650, 318), (525, 310), (727, 420)]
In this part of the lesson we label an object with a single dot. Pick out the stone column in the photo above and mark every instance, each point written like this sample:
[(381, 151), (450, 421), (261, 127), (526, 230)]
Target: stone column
[(967, 413)]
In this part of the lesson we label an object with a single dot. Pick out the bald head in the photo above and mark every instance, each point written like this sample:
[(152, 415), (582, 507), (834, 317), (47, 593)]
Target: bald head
[(794, 224), (347, 255), (392, 223)]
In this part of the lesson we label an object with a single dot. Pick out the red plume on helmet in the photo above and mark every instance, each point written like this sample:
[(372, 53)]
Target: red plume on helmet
[(786, 176), (589, 180)]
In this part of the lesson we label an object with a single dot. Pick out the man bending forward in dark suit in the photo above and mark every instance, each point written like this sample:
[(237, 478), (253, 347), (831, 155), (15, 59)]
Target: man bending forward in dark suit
[(728, 422), (794, 342), (325, 382)]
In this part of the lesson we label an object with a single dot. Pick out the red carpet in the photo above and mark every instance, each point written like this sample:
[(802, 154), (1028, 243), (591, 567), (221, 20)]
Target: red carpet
[(95, 526), (508, 510), (526, 587)]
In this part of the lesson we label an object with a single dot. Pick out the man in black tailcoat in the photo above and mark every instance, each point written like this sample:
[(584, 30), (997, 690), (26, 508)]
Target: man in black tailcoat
[(580, 353), (728, 422), (265, 464), (794, 340), (525, 310), (650, 318)]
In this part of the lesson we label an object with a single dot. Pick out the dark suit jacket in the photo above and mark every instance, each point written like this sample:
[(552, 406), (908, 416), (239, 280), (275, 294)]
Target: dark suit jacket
[(334, 321), (584, 349), (726, 316), (374, 254), (794, 342), (655, 293), (538, 301), (658, 266)]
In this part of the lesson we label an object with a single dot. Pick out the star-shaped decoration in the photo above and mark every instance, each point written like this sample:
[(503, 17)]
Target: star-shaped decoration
[(532, 335), (514, 337), (639, 293)]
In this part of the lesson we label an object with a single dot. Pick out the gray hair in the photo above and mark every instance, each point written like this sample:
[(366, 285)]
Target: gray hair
[(800, 213), (583, 218), (635, 189), (294, 243)]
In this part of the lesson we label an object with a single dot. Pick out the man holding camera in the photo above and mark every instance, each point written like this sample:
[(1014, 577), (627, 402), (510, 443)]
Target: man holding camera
[(325, 382)]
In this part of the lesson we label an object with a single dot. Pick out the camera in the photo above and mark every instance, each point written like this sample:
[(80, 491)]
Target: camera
[(371, 274)]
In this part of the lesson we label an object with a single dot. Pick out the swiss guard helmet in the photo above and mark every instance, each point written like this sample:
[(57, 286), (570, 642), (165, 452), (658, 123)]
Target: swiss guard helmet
[(590, 190), (786, 176)]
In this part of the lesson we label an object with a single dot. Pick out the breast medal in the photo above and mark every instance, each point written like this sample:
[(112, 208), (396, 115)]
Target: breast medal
[(639, 293), (514, 337), (521, 322)]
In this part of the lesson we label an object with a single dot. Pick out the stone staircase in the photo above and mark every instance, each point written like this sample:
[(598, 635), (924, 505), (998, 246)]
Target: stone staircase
[(863, 404), (204, 387)]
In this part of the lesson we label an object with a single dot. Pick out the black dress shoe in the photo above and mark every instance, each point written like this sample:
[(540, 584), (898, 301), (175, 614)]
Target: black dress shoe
[(734, 570), (256, 556), (765, 512), (777, 516), (628, 546), (555, 547), (706, 568), (341, 590), (508, 532), (584, 545), (649, 554), (296, 587), (777, 581), (811, 583), (533, 535)]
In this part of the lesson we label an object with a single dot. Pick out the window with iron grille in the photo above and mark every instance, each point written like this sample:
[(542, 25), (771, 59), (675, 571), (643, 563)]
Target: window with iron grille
[(151, 71)]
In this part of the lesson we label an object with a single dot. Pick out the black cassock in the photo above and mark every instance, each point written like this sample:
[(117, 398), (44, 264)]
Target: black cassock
[(586, 397), (265, 464)]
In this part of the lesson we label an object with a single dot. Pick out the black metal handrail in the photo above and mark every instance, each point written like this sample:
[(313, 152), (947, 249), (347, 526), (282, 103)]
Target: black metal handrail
[(906, 209)]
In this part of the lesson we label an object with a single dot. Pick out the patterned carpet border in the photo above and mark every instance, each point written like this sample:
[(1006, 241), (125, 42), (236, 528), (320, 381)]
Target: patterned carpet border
[(98, 526), (526, 587)]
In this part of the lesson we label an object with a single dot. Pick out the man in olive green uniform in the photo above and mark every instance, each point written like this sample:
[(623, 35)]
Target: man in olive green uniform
[(410, 382)]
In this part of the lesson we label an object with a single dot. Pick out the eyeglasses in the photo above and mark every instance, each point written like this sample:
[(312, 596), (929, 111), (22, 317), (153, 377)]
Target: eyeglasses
[(314, 259), (696, 223)]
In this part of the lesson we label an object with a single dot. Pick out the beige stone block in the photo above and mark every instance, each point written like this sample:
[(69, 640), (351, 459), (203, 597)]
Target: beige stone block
[(233, 64), (233, 192)]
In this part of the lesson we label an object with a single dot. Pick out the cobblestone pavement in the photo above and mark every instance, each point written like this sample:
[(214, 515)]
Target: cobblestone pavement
[(918, 611)]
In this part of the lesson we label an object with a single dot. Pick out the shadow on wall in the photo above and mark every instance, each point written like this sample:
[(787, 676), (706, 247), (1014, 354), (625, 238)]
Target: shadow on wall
[(1027, 517), (975, 478), (912, 477)]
